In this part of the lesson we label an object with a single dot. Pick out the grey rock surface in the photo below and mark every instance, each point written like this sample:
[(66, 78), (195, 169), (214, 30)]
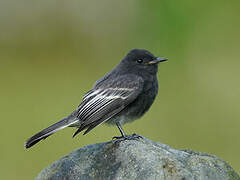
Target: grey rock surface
[(139, 159)]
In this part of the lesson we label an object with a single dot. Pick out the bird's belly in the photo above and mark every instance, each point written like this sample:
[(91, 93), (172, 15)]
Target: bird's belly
[(135, 110)]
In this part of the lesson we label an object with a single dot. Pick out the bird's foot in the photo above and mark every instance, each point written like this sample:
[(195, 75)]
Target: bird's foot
[(127, 137)]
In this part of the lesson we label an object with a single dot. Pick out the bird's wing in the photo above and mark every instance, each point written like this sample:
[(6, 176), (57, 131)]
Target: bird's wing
[(103, 102)]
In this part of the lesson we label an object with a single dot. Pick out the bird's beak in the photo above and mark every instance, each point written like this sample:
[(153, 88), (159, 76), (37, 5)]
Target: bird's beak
[(158, 60)]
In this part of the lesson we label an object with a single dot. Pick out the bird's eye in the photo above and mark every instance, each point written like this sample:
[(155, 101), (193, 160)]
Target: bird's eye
[(139, 61)]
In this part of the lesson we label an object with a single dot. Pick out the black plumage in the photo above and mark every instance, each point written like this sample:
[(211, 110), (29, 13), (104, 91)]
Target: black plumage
[(121, 96)]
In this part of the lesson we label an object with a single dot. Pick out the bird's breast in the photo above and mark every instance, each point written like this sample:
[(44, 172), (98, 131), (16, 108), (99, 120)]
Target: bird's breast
[(139, 106)]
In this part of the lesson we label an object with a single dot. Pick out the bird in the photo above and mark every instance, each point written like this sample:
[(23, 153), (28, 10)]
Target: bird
[(123, 95)]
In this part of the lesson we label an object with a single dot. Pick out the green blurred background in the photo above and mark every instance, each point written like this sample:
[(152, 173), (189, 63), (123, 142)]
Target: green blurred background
[(51, 53)]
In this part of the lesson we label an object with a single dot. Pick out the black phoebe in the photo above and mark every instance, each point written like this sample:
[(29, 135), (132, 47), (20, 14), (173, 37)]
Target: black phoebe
[(121, 96)]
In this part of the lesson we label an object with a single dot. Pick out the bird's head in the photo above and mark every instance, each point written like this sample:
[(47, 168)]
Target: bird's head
[(142, 60)]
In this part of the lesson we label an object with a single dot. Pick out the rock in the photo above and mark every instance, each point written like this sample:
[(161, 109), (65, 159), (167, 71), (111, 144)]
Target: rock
[(139, 159)]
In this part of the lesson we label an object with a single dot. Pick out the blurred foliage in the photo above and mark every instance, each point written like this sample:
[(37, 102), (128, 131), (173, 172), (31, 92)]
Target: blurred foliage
[(51, 53)]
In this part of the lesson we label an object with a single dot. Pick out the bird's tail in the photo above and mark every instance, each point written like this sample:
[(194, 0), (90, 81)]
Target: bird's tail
[(49, 131)]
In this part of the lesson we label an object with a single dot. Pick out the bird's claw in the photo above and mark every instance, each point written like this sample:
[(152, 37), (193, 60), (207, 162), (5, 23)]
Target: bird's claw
[(127, 137)]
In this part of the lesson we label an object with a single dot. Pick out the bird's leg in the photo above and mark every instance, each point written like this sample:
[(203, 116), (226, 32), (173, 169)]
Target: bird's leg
[(124, 136), (121, 129)]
